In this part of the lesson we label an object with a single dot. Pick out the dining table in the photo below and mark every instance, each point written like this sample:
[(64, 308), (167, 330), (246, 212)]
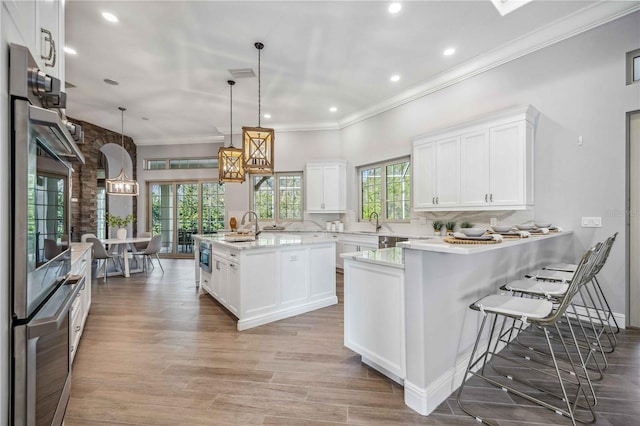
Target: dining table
[(124, 251)]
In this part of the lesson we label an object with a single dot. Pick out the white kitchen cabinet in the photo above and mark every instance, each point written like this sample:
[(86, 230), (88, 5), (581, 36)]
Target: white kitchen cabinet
[(206, 281), (326, 187), (374, 316), (490, 169), (436, 173), (41, 26), (225, 280), (358, 242), (79, 311)]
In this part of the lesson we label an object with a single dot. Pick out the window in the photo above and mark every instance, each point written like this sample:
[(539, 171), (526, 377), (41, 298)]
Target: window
[(182, 163), (385, 188), (633, 66), (277, 197)]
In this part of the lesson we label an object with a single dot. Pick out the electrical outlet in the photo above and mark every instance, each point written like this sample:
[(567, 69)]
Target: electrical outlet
[(493, 221), (591, 222)]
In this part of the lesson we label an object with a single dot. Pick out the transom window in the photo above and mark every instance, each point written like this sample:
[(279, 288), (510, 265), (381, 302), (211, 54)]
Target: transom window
[(277, 197), (181, 163), (385, 188)]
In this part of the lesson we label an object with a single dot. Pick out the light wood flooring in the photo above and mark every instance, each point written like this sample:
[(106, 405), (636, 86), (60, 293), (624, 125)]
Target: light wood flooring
[(158, 351)]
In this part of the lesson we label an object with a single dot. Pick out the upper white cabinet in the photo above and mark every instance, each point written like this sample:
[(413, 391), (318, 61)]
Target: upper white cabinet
[(41, 27), (326, 187), (437, 169), (484, 164)]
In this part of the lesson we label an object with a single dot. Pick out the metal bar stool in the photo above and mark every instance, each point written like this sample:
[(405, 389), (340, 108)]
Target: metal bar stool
[(543, 315)]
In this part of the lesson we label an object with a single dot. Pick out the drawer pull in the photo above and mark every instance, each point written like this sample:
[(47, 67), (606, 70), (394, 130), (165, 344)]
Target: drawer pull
[(77, 328), (72, 348)]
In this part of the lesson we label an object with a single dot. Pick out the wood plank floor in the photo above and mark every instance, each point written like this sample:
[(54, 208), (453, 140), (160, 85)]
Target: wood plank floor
[(157, 351)]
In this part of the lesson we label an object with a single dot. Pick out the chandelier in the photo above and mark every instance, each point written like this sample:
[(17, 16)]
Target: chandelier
[(230, 161), (257, 142), (122, 185)]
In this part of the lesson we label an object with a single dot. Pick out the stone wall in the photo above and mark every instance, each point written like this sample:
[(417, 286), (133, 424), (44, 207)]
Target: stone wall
[(84, 180)]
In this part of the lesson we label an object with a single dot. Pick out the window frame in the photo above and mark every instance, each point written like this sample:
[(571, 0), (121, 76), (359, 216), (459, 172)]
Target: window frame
[(276, 207), (631, 66), (383, 188), (168, 161)]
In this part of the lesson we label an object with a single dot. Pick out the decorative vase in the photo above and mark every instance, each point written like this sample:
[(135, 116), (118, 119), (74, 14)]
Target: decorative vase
[(121, 234), (233, 223)]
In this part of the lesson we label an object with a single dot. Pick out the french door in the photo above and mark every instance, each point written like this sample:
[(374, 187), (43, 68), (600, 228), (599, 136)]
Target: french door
[(178, 210)]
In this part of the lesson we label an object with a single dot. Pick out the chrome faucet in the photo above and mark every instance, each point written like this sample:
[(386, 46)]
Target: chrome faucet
[(378, 226), (255, 215)]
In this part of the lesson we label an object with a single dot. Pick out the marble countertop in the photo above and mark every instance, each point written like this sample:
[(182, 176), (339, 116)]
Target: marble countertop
[(438, 245), (270, 239), (391, 256)]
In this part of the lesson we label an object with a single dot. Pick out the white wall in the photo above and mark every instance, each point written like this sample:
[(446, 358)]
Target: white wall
[(578, 86)]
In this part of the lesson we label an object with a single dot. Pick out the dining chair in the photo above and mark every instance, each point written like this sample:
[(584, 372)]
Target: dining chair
[(142, 245), (84, 237), (154, 247), (99, 252)]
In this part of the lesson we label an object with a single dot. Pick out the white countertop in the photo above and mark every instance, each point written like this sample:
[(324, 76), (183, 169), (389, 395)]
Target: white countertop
[(269, 239), (391, 256), (437, 245)]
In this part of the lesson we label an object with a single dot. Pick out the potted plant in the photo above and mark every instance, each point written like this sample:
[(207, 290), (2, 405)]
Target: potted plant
[(467, 225), (450, 226), (119, 222), (437, 227)]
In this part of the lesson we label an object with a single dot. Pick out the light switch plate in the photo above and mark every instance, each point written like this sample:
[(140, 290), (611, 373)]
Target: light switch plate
[(591, 222)]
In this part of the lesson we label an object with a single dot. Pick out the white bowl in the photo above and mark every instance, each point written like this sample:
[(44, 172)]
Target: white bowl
[(524, 227), (501, 228), (473, 232), (542, 225)]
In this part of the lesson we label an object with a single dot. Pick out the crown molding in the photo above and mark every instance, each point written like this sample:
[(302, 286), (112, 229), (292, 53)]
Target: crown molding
[(181, 140), (285, 128), (583, 20)]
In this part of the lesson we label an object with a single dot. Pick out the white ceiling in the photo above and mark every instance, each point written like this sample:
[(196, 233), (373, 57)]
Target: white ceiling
[(172, 58)]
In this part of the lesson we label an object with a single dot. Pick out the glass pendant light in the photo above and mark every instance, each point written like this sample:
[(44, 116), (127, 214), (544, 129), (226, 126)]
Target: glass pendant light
[(122, 185), (230, 161), (257, 142)]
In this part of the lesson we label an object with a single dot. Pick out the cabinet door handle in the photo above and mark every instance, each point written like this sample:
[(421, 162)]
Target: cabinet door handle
[(491, 198), (77, 328), (51, 55), (217, 265), (433, 200), (486, 198), (232, 254), (72, 348), (437, 200)]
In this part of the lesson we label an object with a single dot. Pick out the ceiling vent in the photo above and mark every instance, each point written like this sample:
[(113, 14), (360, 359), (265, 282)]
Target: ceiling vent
[(242, 73)]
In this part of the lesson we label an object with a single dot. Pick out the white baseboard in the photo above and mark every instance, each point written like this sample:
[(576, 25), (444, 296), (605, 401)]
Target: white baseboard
[(251, 322)]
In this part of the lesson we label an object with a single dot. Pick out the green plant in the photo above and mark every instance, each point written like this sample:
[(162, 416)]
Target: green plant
[(450, 226), (114, 221), (437, 225), (466, 225)]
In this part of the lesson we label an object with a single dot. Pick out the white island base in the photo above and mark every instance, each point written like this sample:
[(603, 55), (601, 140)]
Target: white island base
[(275, 277)]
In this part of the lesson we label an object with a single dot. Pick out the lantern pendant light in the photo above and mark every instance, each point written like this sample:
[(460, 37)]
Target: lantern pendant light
[(122, 185), (230, 161), (257, 142)]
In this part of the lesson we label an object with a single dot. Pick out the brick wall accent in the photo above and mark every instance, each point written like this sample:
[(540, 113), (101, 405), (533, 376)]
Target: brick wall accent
[(84, 180)]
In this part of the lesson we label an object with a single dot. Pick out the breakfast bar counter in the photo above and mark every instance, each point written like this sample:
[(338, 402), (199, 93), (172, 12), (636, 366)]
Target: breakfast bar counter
[(440, 282)]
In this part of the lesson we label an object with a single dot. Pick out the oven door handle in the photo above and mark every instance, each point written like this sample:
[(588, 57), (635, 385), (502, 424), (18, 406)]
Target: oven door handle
[(50, 118), (40, 327)]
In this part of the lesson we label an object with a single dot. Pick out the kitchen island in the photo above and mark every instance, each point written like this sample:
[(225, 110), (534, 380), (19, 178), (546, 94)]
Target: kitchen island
[(277, 276), (433, 325)]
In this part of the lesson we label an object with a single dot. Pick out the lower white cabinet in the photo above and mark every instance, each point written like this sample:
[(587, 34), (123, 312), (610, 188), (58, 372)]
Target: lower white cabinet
[(261, 285), (374, 316), (80, 265), (350, 243)]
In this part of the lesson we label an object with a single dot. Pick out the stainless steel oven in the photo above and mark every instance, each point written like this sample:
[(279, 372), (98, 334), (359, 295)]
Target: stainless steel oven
[(205, 255), (43, 145)]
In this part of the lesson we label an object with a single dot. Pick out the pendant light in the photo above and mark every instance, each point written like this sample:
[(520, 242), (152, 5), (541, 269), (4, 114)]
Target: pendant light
[(122, 185), (257, 142), (230, 161)]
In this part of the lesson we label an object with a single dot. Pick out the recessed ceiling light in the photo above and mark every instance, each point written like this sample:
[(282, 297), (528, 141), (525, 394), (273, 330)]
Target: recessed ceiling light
[(145, 118), (395, 7), (111, 82), (395, 78), (109, 17), (448, 52), (267, 116), (70, 50), (333, 109)]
